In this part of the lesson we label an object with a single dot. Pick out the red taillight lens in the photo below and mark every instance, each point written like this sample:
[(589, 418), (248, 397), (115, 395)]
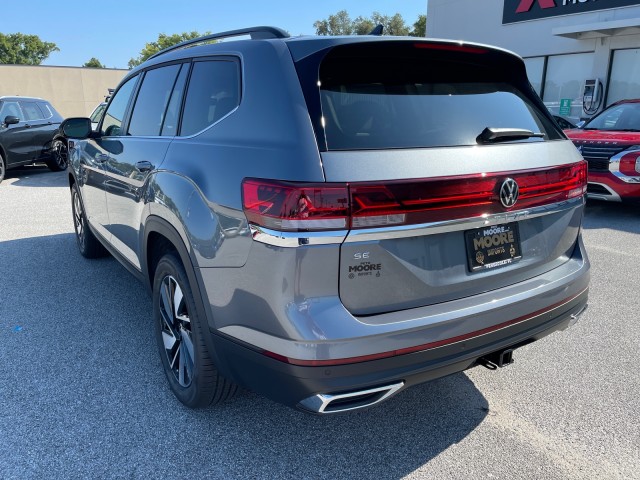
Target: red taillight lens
[(630, 163), (303, 207), (288, 207)]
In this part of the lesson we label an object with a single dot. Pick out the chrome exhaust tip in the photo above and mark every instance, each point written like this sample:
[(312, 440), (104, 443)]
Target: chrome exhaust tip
[(344, 402)]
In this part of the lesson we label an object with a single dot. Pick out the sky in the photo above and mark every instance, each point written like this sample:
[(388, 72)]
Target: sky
[(116, 31)]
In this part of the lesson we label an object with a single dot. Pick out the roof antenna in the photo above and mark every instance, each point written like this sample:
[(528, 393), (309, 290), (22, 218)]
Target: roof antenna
[(377, 30)]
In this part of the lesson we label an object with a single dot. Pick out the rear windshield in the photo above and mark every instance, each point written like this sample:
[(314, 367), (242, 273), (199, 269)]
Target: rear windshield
[(410, 97)]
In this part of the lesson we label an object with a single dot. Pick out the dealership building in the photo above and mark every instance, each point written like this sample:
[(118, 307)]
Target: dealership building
[(581, 55)]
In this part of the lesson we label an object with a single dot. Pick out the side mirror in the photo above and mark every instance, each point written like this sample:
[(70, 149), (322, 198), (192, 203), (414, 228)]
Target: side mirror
[(76, 127), (11, 120)]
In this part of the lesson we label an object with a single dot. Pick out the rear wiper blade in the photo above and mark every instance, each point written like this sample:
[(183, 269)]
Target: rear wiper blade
[(493, 135)]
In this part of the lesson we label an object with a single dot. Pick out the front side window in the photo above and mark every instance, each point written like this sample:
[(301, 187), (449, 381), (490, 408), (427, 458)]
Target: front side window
[(213, 92), (149, 111), (97, 113), (114, 116), (10, 109)]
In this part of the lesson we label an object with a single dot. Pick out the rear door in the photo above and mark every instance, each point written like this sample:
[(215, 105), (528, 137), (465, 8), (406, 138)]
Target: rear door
[(40, 132), (440, 208)]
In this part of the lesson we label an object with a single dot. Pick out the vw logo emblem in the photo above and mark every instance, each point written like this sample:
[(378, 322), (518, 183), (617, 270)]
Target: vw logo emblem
[(509, 193)]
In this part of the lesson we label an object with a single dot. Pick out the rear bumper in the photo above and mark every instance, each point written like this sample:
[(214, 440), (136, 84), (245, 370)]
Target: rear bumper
[(292, 384)]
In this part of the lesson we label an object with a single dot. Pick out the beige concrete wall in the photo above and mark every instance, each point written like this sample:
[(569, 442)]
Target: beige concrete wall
[(73, 91)]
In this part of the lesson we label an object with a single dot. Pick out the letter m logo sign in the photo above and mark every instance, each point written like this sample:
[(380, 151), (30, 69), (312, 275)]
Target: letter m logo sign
[(525, 5)]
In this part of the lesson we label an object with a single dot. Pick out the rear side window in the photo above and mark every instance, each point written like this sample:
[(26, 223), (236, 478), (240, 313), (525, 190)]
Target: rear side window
[(46, 110), (171, 118), (213, 92), (377, 97), (149, 111), (31, 111)]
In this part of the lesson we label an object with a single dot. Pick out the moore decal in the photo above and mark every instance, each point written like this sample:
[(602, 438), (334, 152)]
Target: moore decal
[(521, 10), (365, 269)]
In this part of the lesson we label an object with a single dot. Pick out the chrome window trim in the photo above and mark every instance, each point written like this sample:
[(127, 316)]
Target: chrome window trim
[(298, 239)]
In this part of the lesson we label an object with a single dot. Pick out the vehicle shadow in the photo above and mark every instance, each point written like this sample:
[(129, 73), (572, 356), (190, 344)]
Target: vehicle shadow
[(86, 393), (618, 216), (37, 175)]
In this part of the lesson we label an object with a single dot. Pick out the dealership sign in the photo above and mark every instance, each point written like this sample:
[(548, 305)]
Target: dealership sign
[(521, 10)]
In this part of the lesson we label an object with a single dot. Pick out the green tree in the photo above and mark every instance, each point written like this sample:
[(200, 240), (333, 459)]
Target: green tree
[(341, 24), (338, 24), (94, 63), (21, 49), (420, 27), (164, 41)]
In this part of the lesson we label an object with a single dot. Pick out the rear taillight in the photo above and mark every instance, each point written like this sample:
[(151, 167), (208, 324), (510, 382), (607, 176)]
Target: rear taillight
[(630, 163), (288, 206), (294, 207)]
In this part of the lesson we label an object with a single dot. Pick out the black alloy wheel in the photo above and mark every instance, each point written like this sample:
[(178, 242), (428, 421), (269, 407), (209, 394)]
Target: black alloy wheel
[(180, 335), (59, 156), (88, 244), (176, 331)]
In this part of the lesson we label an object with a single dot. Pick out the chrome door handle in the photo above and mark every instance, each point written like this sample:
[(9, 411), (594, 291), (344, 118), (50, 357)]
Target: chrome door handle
[(102, 157), (144, 166)]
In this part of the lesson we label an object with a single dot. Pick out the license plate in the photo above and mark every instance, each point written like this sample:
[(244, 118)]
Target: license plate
[(493, 247)]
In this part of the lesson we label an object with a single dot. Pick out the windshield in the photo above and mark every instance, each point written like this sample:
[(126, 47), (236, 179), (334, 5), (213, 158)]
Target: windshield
[(624, 117)]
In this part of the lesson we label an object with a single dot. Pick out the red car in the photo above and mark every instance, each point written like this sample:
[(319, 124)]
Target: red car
[(610, 143)]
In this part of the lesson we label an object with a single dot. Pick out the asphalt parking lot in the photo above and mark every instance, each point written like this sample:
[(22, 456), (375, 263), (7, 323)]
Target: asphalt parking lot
[(82, 393)]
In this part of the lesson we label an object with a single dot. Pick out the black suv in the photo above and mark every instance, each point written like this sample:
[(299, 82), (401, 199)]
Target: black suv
[(28, 133)]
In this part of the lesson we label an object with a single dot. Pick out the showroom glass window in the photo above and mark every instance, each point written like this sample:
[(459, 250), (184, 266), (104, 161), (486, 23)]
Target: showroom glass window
[(625, 75), (565, 80), (112, 123), (213, 92), (151, 104), (535, 71)]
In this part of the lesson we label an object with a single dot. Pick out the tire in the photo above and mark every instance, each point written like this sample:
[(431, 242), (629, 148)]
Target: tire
[(88, 244), (3, 168), (186, 361), (59, 156)]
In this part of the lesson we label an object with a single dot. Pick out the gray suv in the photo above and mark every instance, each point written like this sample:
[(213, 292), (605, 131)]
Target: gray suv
[(330, 220)]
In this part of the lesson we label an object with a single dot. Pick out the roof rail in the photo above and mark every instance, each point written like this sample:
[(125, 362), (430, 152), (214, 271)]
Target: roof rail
[(256, 33)]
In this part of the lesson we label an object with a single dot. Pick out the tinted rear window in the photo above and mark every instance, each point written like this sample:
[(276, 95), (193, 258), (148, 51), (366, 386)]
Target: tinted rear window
[(376, 97)]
